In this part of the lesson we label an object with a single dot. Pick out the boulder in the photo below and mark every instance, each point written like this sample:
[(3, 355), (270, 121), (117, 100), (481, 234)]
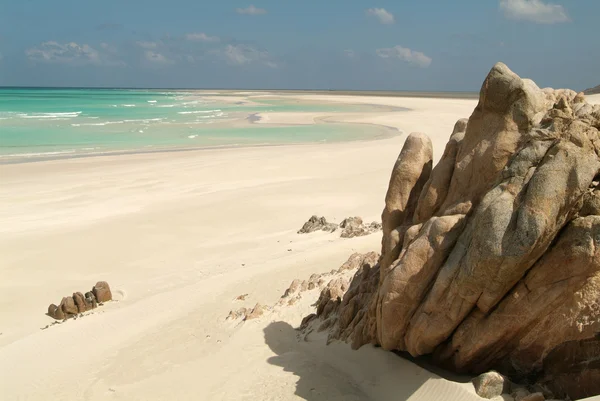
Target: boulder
[(80, 302), (354, 227), (316, 223), (490, 260), (90, 300), (102, 292), (68, 306), (489, 385), (56, 312)]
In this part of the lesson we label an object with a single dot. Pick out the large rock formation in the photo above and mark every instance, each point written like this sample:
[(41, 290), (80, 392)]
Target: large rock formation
[(491, 260)]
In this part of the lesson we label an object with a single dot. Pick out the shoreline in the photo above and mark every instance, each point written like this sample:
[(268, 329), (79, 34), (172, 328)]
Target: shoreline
[(17, 159)]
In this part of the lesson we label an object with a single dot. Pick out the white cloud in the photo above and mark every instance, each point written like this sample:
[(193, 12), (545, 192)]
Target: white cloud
[(534, 11), (349, 53), (384, 16), (201, 37), (157, 58), (251, 10), (70, 53), (147, 45), (244, 54), (405, 54)]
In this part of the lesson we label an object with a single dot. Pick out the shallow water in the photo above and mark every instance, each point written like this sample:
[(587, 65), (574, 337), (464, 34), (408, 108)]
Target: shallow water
[(51, 123)]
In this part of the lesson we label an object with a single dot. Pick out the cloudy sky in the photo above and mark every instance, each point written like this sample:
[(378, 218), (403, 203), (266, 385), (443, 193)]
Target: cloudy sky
[(432, 45)]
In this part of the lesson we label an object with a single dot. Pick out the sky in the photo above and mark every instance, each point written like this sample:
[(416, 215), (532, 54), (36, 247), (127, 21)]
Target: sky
[(425, 45)]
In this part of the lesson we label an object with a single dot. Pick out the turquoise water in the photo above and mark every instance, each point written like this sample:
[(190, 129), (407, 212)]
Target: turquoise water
[(50, 123)]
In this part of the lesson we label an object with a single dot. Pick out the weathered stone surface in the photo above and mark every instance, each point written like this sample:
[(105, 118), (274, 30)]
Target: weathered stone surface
[(316, 223), (354, 227), (492, 259), (90, 300), (409, 175), (68, 306), (56, 312), (256, 312), (102, 291), (489, 385), (80, 302)]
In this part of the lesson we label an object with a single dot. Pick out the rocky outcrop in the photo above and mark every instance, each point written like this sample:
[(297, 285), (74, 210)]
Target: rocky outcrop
[(316, 223), (79, 303), (350, 227), (354, 227), (491, 260), (297, 289)]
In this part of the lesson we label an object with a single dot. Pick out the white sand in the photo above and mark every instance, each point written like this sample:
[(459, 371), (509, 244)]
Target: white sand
[(593, 99), (179, 236)]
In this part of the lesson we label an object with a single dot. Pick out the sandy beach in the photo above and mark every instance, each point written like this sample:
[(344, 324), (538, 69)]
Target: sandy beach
[(179, 235)]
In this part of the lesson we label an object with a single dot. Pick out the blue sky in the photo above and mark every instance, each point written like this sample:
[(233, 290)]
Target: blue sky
[(431, 45)]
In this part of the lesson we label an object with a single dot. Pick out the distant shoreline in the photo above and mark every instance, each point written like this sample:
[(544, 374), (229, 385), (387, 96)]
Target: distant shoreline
[(345, 92)]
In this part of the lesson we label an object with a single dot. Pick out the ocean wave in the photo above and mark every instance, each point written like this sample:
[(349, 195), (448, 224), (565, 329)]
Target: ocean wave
[(199, 111), (71, 114), (145, 120), (62, 152), (151, 101), (92, 124), (192, 136), (128, 105)]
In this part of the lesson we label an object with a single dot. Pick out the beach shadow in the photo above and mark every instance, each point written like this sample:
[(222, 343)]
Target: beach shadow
[(336, 373)]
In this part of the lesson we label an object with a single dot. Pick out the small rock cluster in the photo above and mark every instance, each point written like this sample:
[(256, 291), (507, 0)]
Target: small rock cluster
[(316, 223), (79, 303), (494, 385), (316, 281), (351, 227)]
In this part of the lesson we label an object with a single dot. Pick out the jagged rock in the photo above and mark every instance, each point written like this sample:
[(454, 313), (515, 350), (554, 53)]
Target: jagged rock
[(241, 297), (293, 288), (80, 302), (490, 260), (489, 385), (56, 312), (331, 296), (102, 291), (68, 306), (256, 312), (316, 223), (306, 321), (357, 260), (354, 227)]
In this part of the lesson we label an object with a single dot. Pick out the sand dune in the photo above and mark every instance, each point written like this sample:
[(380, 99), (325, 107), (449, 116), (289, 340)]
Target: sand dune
[(179, 236)]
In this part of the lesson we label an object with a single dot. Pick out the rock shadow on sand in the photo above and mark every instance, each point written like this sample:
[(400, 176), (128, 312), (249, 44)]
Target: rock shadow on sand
[(334, 372)]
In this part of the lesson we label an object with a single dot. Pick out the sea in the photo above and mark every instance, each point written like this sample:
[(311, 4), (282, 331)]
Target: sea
[(43, 123)]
